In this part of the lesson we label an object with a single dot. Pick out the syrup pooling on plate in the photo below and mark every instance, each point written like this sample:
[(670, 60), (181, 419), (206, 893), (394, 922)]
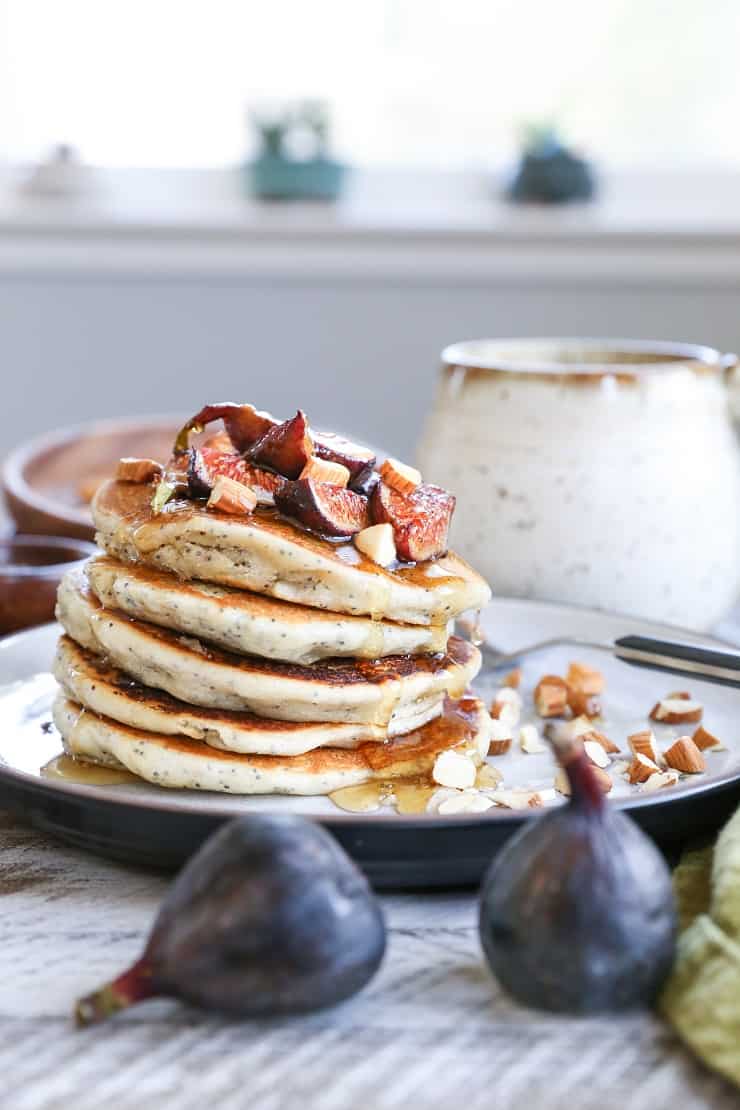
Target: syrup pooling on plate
[(68, 769)]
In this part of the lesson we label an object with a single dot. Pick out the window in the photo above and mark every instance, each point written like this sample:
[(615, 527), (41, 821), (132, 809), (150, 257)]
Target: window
[(442, 83)]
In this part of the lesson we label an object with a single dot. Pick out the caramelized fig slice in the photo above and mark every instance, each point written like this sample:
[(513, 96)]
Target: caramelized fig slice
[(231, 465), (200, 481), (329, 510), (420, 520), (286, 448), (358, 460), (244, 424)]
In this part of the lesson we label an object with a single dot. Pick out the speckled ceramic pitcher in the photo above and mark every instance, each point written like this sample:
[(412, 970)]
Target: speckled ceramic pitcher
[(598, 472)]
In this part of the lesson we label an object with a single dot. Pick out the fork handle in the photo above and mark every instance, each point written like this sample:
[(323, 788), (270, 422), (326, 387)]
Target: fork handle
[(684, 659)]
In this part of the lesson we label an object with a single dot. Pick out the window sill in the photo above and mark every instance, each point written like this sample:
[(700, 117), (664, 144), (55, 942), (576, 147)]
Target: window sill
[(681, 228)]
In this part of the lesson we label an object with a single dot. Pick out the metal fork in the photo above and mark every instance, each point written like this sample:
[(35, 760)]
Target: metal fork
[(708, 664)]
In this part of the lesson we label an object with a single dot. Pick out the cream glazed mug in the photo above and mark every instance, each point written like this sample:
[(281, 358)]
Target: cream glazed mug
[(597, 472)]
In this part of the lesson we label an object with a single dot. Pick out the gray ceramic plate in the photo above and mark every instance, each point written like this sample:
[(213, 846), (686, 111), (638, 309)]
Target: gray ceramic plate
[(149, 825)]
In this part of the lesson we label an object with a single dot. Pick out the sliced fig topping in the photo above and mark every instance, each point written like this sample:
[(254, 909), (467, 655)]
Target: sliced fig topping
[(232, 465), (324, 508), (358, 460), (200, 482), (243, 423), (286, 448), (366, 482), (420, 519)]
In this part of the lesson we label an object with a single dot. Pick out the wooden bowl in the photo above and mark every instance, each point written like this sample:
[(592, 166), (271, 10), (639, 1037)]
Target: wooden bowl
[(31, 568), (48, 481)]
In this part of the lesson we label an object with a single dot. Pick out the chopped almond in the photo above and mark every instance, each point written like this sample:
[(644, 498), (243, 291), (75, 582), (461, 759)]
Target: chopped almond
[(399, 476), (641, 768), (660, 780), (643, 743), (608, 745), (507, 706), (488, 777), (138, 470), (377, 543), (530, 740), (321, 470), (584, 705), (585, 679), (683, 755), (228, 496), (453, 769), (682, 695), (517, 798), (706, 741), (513, 678), (596, 753), (677, 711), (551, 696)]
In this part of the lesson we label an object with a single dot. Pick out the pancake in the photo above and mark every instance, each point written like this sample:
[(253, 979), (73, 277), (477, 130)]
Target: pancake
[(109, 692), (270, 555), (250, 623), (386, 692), (188, 764)]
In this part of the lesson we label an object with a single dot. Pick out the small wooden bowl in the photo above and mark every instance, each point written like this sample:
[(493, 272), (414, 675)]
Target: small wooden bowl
[(31, 568), (46, 481)]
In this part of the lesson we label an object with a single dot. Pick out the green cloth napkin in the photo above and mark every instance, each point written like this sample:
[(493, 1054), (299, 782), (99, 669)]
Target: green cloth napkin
[(702, 997)]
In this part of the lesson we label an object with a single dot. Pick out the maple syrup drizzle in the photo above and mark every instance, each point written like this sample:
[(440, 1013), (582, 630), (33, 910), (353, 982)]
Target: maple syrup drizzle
[(87, 774), (406, 795)]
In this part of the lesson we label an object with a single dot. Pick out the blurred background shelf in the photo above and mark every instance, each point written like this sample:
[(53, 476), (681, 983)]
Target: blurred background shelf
[(168, 285)]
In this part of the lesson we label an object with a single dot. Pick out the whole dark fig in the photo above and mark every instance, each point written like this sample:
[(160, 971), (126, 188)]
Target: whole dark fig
[(577, 912), (269, 917)]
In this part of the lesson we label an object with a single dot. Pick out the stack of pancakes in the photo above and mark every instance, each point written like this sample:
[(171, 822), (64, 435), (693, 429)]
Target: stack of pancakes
[(247, 655)]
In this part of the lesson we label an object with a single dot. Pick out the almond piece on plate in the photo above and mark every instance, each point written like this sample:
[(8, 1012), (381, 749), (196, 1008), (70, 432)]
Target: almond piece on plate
[(551, 696), (683, 755), (596, 753), (517, 799), (599, 737), (321, 470), (530, 740), (488, 777), (507, 706), (562, 784), (644, 743), (677, 711), (399, 476), (467, 801), (584, 705), (513, 678), (660, 779), (641, 768), (452, 769), (138, 470), (706, 741), (584, 678), (228, 496), (499, 737), (377, 543)]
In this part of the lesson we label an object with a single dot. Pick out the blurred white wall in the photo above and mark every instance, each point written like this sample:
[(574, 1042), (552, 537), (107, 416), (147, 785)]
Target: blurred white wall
[(358, 354)]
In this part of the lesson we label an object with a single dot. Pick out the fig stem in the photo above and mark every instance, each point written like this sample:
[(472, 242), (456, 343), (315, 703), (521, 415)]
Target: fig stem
[(585, 790), (584, 787), (132, 986)]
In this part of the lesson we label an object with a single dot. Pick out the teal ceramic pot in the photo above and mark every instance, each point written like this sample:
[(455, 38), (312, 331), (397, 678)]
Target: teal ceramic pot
[(273, 178)]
